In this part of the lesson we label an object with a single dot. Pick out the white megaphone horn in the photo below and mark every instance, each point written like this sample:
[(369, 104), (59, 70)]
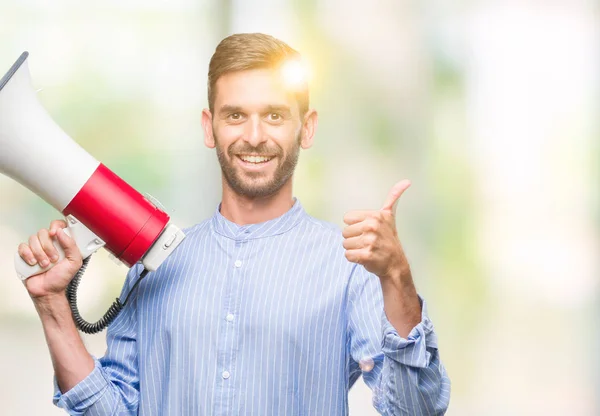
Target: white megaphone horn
[(101, 209)]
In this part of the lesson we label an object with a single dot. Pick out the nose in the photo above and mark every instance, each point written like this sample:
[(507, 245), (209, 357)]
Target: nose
[(254, 134)]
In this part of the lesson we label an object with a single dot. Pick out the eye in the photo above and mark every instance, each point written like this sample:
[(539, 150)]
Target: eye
[(275, 117), (235, 116)]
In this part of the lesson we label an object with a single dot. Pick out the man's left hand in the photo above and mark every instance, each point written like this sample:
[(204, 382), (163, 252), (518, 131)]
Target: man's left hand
[(371, 238)]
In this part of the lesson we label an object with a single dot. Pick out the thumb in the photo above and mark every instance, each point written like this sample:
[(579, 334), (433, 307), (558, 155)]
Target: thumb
[(395, 193), (68, 244)]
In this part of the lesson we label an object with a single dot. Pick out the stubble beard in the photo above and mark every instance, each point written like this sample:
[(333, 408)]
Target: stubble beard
[(257, 184)]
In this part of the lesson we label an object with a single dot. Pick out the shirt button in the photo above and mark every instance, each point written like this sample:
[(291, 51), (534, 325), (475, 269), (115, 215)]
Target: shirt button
[(229, 317), (238, 263), (226, 375)]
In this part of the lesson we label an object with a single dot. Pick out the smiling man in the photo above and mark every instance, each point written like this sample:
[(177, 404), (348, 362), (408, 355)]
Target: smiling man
[(263, 309)]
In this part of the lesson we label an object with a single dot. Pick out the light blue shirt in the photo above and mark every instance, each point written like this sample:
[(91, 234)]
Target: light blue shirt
[(261, 319)]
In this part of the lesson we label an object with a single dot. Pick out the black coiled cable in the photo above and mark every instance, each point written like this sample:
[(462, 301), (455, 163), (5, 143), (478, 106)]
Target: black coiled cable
[(110, 315)]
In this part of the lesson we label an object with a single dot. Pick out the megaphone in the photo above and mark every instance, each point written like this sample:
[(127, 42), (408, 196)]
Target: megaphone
[(102, 210)]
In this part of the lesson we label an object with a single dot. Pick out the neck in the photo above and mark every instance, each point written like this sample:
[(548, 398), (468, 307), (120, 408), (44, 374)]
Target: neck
[(244, 210)]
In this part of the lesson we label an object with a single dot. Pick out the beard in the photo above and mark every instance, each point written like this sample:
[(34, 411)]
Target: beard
[(257, 184)]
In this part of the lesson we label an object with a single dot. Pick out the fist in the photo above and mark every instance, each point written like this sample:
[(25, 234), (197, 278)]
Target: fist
[(371, 238), (40, 249)]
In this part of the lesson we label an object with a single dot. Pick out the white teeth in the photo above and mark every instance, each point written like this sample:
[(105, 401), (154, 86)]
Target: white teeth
[(255, 159)]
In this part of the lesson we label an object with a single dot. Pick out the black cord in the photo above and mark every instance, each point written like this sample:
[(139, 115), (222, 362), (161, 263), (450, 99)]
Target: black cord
[(110, 315)]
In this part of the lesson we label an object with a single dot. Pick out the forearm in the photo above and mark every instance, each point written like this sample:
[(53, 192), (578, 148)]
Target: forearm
[(83, 384), (400, 300), (71, 361)]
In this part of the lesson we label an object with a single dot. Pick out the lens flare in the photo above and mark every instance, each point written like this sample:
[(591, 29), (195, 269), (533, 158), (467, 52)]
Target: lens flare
[(295, 74)]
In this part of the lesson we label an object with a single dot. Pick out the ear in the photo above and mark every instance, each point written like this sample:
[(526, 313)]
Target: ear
[(309, 127), (209, 139)]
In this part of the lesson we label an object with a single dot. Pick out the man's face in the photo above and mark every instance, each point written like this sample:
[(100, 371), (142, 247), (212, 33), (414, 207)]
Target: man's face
[(256, 129)]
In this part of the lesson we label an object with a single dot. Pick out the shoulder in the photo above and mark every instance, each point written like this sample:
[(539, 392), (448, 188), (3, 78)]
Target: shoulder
[(198, 229), (323, 236), (327, 236), (322, 228), (327, 240)]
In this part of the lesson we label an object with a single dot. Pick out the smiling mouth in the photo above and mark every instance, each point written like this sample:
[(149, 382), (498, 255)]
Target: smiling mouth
[(255, 160)]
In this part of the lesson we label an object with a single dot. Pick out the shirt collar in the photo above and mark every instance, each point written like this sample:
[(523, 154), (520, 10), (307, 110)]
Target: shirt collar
[(268, 228)]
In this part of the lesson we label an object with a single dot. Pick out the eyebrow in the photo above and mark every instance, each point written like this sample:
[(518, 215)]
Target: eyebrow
[(228, 109), (278, 109)]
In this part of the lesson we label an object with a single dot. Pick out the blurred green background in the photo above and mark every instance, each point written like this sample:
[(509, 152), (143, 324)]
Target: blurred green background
[(489, 107)]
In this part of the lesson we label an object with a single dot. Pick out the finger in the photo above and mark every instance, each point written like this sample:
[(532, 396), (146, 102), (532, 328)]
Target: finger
[(353, 243), (394, 195), (352, 217), (38, 251), (370, 225), (355, 256), (26, 254), (56, 225), (69, 246), (47, 245), (353, 230)]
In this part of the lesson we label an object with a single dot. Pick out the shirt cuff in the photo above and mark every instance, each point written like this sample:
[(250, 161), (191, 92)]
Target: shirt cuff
[(84, 394), (412, 350)]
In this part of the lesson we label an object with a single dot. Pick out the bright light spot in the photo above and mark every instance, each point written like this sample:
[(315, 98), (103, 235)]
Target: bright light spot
[(295, 74)]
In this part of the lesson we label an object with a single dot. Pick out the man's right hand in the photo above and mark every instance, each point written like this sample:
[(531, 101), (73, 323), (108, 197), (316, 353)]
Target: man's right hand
[(70, 359), (41, 250)]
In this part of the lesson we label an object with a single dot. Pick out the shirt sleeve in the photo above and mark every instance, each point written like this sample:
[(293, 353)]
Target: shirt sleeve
[(406, 374), (112, 388)]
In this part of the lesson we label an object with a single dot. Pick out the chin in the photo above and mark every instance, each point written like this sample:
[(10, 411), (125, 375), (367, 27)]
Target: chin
[(264, 191)]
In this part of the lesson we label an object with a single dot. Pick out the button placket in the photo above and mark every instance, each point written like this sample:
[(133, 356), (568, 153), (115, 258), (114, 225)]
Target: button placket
[(231, 311)]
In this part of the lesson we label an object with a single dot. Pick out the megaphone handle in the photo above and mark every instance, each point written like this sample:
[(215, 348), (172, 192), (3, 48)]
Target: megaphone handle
[(86, 241), (25, 271)]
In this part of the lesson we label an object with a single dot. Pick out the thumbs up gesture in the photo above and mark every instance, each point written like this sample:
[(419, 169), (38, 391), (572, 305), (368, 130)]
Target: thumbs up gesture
[(371, 238)]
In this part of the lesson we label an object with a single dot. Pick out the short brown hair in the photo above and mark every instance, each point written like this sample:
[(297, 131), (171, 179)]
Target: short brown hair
[(246, 51)]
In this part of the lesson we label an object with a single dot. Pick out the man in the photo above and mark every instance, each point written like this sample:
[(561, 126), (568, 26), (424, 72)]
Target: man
[(263, 310)]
